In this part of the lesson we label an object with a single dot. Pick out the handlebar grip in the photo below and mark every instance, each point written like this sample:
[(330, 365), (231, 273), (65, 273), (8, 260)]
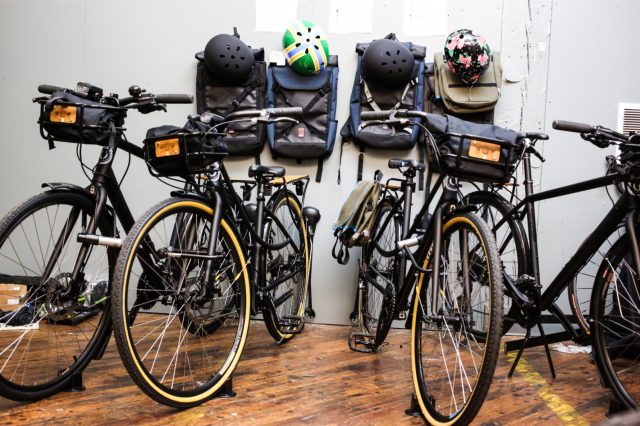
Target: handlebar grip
[(396, 164), (174, 99), (292, 112), (570, 126), (375, 115), (48, 89)]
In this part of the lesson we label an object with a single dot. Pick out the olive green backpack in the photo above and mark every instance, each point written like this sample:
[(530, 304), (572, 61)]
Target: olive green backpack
[(457, 98), (356, 219)]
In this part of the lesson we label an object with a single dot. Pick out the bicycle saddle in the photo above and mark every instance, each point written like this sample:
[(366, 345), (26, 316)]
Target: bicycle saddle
[(258, 170), (396, 163)]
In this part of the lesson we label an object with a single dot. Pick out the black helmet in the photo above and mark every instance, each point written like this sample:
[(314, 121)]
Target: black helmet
[(387, 62), (228, 59)]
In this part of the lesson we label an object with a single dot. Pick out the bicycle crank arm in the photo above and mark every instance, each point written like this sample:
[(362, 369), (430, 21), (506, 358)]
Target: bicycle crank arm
[(99, 240)]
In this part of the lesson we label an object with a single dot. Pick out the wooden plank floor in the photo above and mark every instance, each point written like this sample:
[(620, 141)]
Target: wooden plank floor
[(316, 379)]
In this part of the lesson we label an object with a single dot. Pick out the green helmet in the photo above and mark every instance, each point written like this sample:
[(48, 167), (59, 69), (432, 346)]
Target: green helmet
[(305, 47)]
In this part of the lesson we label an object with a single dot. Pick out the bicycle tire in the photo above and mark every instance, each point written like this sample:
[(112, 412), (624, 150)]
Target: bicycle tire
[(580, 288), (55, 350), (285, 205), (615, 324), (442, 319), (171, 292), (511, 241), (379, 266)]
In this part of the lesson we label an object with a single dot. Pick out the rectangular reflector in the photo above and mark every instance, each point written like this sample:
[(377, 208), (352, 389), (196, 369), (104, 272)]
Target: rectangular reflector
[(167, 147), (484, 150)]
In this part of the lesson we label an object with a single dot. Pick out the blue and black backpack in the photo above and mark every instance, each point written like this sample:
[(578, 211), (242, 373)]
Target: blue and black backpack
[(368, 96), (315, 133)]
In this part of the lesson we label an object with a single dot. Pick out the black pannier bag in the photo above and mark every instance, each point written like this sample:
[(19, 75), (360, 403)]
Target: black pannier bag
[(68, 118), (472, 151), (313, 137), (182, 151), (369, 96), (243, 138)]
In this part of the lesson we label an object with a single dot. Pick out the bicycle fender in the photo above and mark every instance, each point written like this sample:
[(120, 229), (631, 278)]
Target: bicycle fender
[(55, 186)]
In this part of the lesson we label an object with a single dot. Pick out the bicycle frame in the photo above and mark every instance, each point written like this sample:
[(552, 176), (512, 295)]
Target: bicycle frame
[(104, 186), (623, 210), (405, 280), (225, 199)]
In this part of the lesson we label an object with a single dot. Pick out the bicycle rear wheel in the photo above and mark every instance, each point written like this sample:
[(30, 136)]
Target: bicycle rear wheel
[(164, 309), (48, 334), (615, 323), (286, 269), (452, 369), (379, 265)]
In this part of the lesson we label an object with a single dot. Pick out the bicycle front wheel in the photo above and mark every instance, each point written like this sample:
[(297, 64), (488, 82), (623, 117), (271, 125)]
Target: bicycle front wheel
[(286, 269), (615, 323), (50, 332), (452, 369), (512, 245), (164, 308)]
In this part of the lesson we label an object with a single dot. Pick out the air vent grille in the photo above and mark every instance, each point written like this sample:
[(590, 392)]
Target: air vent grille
[(629, 118)]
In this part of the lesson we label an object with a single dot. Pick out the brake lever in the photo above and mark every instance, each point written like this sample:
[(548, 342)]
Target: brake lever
[(535, 152), (391, 122), (267, 119), (285, 119)]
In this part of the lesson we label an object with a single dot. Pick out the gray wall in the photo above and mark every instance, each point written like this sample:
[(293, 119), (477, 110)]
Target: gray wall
[(151, 43)]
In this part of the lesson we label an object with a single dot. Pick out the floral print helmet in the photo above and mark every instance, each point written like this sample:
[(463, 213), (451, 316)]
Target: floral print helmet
[(467, 54)]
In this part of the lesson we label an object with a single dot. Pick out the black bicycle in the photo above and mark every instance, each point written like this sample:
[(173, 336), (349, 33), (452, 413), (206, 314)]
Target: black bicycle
[(453, 271), (609, 254), (58, 249), (196, 266)]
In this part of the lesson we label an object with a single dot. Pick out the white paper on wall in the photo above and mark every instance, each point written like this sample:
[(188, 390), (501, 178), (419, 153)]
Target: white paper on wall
[(350, 16), (425, 18), (275, 15)]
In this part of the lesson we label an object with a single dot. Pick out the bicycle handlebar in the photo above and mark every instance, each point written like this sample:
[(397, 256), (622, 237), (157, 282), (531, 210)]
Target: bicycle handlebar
[(571, 126), (174, 99), (48, 89)]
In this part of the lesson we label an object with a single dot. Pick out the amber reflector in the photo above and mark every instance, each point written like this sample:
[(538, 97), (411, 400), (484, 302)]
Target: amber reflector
[(484, 150), (167, 147), (63, 114)]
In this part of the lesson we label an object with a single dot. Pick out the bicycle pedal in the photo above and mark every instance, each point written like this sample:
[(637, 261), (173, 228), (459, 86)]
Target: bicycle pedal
[(360, 342), (291, 324)]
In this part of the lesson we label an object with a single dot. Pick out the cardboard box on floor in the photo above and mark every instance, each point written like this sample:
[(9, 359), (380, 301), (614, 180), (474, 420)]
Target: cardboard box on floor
[(11, 296)]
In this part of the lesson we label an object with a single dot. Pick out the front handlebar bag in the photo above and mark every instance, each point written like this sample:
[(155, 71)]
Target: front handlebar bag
[(182, 151), (68, 118), (471, 151)]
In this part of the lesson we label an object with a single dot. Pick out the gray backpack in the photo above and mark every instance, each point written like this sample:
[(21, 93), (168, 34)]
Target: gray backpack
[(356, 219)]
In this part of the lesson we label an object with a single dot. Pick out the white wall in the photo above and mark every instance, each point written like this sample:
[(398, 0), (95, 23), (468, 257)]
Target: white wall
[(116, 43)]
